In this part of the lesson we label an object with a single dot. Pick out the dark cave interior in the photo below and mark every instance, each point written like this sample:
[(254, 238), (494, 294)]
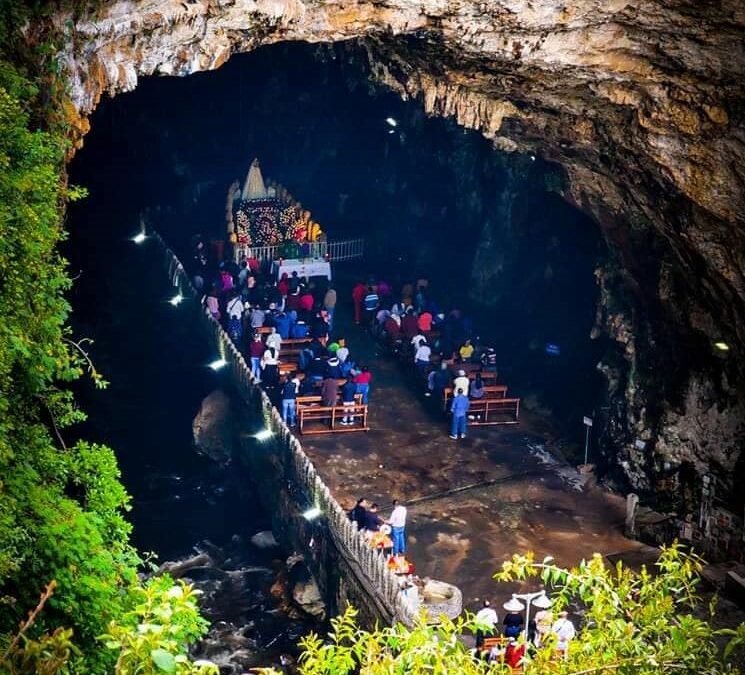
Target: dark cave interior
[(424, 194)]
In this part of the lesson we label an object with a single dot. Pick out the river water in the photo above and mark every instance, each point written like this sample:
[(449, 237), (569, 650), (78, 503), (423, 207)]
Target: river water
[(155, 360)]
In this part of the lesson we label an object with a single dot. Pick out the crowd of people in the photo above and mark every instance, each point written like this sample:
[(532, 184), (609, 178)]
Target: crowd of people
[(439, 344), (260, 312), (544, 629), (386, 534)]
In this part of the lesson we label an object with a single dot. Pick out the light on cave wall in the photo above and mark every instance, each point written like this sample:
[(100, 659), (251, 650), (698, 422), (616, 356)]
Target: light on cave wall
[(218, 363), (139, 238), (391, 122), (176, 300), (722, 346)]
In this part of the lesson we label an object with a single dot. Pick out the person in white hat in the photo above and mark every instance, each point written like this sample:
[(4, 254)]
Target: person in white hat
[(564, 630), (513, 620), (461, 382)]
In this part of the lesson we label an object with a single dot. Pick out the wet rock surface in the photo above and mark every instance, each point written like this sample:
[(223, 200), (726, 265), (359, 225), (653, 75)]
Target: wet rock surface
[(471, 503), (245, 598), (213, 428)]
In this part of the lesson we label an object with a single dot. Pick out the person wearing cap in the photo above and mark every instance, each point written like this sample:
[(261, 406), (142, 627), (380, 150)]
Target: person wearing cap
[(564, 630), (486, 619), (462, 382), (513, 621)]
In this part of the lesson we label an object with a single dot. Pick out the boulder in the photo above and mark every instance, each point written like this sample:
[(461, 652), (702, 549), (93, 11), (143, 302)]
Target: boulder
[(213, 428), (308, 596), (264, 539)]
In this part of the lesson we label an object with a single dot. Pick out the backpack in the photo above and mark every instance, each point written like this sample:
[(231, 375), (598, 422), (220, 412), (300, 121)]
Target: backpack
[(300, 330)]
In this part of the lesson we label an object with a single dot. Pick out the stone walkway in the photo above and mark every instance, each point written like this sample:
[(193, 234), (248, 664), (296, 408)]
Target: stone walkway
[(513, 497)]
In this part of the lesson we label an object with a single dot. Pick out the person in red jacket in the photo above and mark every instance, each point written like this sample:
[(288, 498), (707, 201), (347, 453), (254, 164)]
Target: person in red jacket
[(306, 302), (514, 654), (358, 295), (284, 285)]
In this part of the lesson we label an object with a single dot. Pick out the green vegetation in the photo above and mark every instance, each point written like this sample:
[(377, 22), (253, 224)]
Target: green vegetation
[(63, 532), (635, 624)]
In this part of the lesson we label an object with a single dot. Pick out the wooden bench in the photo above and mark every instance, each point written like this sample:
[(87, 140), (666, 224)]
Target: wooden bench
[(314, 419), (491, 642), (491, 391), (492, 411), (295, 342), (500, 643), (315, 399)]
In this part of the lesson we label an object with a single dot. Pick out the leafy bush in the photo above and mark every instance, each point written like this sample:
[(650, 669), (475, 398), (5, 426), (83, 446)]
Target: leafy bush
[(152, 638), (634, 624)]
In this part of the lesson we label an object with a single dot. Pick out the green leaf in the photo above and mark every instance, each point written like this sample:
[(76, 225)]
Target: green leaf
[(163, 660)]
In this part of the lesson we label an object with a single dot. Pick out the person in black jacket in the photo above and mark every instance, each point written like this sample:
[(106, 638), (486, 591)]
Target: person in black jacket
[(372, 520), (289, 394), (359, 513)]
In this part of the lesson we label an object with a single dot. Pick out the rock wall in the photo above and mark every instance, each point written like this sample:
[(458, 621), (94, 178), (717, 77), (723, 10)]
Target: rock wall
[(640, 103)]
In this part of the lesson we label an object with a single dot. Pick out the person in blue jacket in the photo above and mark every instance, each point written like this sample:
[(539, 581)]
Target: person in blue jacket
[(459, 409)]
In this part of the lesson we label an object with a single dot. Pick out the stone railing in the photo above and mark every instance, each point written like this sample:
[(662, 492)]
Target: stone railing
[(372, 577)]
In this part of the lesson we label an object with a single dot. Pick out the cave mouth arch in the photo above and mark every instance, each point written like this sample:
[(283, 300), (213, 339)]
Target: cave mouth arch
[(426, 195)]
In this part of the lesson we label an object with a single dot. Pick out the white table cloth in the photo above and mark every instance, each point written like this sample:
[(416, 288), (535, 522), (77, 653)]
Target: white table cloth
[(316, 267)]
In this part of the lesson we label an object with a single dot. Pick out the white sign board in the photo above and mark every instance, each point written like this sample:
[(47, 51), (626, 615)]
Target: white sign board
[(587, 421)]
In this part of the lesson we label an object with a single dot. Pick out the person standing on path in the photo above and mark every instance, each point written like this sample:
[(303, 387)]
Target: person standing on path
[(256, 351), (459, 409), (397, 521), (289, 394), (565, 631), (486, 620)]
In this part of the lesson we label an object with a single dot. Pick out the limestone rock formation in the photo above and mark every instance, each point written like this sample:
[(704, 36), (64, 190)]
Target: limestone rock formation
[(641, 103), (305, 591), (213, 427)]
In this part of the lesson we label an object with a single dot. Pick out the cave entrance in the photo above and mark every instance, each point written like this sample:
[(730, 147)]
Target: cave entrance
[(490, 229)]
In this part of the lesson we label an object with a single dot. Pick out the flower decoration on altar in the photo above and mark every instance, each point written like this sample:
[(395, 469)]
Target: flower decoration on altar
[(242, 228), (267, 231)]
